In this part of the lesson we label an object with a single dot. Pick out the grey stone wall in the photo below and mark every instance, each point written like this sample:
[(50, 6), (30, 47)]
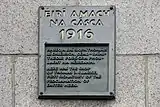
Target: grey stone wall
[(138, 54)]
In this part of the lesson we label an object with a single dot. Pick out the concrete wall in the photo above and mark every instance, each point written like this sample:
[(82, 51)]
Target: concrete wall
[(138, 54)]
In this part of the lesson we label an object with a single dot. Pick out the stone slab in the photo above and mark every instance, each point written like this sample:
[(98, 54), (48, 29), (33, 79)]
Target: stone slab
[(137, 24), (129, 82), (153, 81), (129, 85), (5, 81)]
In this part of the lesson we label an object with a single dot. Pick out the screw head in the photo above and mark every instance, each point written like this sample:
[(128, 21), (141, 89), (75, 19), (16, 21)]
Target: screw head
[(41, 7), (111, 8), (41, 93), (111, 93)]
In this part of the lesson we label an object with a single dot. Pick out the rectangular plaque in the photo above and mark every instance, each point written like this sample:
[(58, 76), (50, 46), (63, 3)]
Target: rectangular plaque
[(77, 52)]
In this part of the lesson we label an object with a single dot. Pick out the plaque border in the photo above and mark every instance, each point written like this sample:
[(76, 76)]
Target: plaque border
[(112, 65)]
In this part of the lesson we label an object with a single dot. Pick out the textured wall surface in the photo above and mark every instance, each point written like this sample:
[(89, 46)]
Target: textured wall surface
[(138, 54)]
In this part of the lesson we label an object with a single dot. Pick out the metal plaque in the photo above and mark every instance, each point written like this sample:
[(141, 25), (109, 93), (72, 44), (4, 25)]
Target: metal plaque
[(77, 52)]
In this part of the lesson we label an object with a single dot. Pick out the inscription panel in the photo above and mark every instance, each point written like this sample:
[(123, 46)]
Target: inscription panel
[(76, 52), (76, 67)]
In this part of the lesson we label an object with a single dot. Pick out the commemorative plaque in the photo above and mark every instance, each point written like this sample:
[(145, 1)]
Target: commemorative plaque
[(77, 52)]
